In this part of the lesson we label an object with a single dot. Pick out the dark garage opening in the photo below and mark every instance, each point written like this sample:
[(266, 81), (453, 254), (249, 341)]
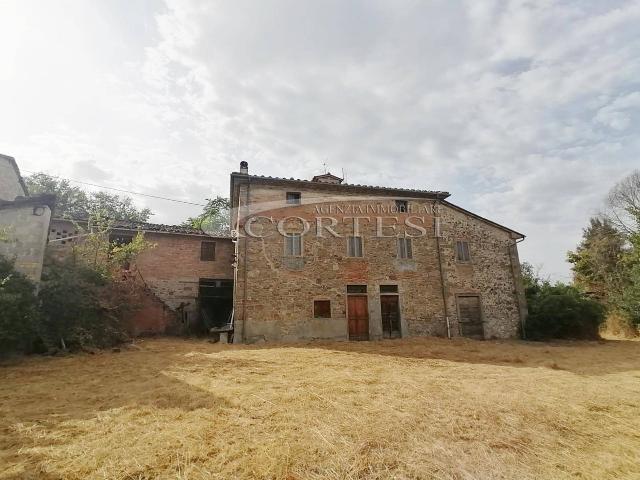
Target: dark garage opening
[(215, 300)]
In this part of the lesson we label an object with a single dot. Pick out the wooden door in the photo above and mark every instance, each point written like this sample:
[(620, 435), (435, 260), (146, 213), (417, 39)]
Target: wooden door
[(390, 310), (358, 315), (470, 316)]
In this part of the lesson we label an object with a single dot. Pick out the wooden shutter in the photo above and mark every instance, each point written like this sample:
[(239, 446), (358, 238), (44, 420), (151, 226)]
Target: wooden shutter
[(462, 251), (293, 245), (404, 248), (207, 251), (354, 246), (470, 316)]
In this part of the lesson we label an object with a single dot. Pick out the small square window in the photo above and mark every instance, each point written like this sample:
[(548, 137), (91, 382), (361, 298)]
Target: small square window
[(388, 288), (356, 289), (207, 251), (321, 309), (405, 248), (354, 246), (293, 245), (402, 206), (462, 251), (293, 198)]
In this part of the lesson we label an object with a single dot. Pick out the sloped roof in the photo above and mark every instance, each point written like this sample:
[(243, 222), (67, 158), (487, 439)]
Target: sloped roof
[(48, 199), (405, 192), (151, 227)]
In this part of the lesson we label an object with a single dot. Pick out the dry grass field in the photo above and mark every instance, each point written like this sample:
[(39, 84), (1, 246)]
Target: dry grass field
[(417, 408)]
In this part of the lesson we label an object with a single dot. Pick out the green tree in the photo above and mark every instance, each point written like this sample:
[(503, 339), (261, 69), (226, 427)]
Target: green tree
[(73, 202), (596, 260), (623, 209), (117, 207), (214, 219), (628, 300)]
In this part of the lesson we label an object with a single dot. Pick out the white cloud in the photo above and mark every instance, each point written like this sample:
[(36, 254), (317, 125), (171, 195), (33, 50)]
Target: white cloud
[(526, 111)]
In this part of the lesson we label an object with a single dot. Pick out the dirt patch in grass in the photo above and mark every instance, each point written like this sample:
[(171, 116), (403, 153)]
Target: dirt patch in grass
[(416, 408)]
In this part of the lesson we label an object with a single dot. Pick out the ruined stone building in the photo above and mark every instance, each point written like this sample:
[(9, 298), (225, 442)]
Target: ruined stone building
[(24, 221)]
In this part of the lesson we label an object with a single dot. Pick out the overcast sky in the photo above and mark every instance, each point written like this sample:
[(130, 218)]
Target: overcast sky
[(526, 111)]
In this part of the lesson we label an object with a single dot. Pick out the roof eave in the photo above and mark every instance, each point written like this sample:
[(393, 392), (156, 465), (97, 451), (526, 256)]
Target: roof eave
[(398, 192)]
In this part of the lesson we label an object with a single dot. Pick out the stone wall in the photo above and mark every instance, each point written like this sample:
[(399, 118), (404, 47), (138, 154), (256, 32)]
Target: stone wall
[(26, 227), (10, 185), (274, 294)]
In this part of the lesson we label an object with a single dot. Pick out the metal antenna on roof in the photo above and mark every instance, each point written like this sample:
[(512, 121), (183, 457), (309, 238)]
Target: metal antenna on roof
[(344, 176), (325, 167)]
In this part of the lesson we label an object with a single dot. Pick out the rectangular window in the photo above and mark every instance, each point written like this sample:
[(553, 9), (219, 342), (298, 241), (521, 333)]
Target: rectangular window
[(356, 289), (388, 288), (405, 249), (321, 309), (462, 251), (293, 198), (207, 251), (354, 246), (293, 245), (402, 206)]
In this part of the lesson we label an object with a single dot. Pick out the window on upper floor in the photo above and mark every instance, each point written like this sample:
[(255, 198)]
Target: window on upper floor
[(354, 246), (207, 251), (405, 248), (402, 206), (463, 254), (293, 198), (293, 245)]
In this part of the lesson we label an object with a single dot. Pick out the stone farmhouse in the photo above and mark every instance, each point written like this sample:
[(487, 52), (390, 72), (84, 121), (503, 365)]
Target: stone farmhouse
[(322, 259)]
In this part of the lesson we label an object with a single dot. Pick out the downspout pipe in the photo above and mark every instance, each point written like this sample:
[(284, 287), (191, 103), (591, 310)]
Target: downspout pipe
[(442, 276), (522, 308), (244, 273), (235, 268)]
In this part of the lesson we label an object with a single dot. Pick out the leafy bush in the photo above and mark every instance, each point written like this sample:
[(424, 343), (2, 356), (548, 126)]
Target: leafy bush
[(75, 312), (559, 310), (18, 307)]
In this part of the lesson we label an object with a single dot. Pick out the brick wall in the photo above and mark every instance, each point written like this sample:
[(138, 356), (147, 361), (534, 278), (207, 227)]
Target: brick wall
[(171, 270)]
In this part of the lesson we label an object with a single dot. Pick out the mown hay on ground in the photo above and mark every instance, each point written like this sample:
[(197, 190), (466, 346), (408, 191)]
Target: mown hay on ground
[(416, 408)]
